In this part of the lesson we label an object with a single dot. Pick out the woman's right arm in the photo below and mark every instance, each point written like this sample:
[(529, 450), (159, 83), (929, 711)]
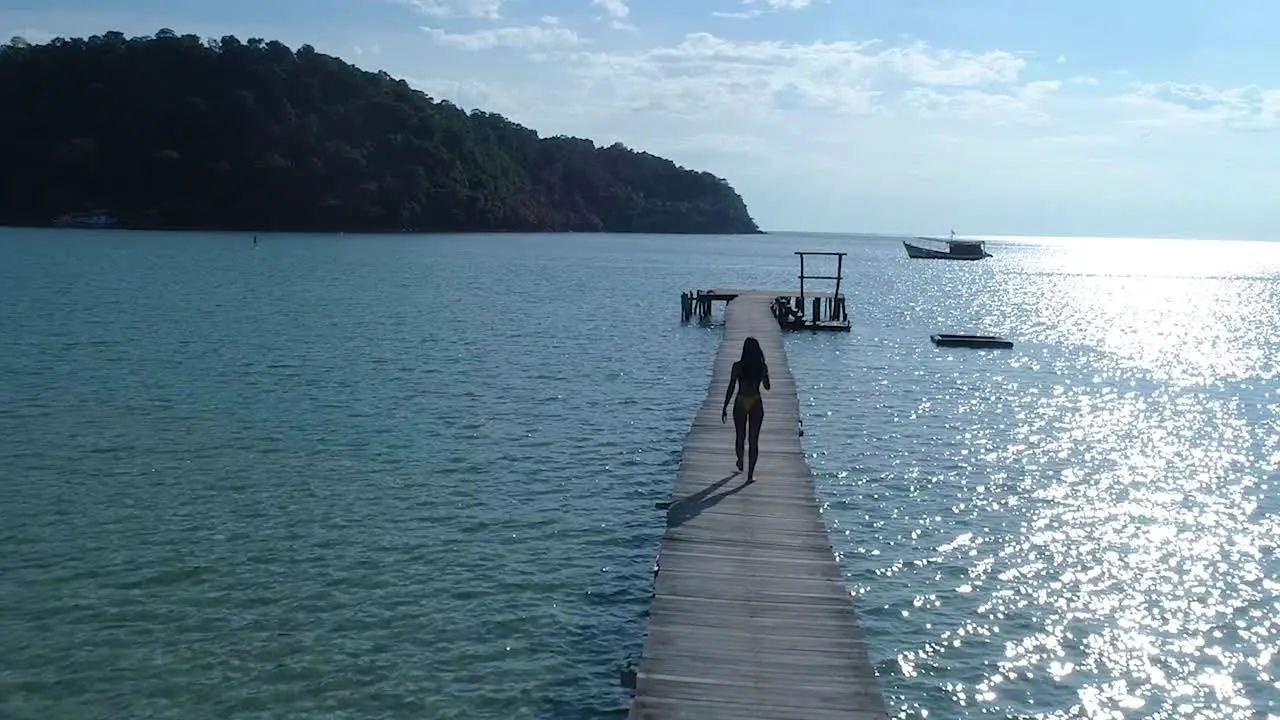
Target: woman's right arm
[(728, 391)]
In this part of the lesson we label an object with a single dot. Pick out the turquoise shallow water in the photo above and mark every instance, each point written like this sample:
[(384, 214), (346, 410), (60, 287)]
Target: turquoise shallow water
[(414, 477)]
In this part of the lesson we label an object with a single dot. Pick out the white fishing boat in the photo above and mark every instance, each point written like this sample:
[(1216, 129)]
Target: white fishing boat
[(957, 249)]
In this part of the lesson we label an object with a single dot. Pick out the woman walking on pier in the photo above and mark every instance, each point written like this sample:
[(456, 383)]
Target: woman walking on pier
[(748, 374)]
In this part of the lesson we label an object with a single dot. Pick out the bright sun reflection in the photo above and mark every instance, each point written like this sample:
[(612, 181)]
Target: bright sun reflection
[(1145, 562), (1185, 312), (1084, 527)]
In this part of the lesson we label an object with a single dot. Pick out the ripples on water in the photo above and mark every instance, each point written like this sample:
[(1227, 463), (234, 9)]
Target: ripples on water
[(1084, 526), (371, 477), (414, 477)]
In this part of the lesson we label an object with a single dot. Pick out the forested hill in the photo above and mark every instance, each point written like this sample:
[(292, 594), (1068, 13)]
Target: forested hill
[(175, 131)]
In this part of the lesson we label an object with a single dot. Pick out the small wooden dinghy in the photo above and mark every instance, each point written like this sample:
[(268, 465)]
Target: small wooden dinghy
[(974, 341)]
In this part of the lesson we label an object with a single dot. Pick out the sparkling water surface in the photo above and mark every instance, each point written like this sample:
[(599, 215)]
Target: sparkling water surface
[(408, 477)]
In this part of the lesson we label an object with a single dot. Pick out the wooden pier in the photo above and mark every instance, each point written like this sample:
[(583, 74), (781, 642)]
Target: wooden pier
[(751, 617)]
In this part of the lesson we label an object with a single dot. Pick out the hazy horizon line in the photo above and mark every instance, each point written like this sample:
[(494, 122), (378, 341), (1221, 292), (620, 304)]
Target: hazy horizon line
[(1011, 236)]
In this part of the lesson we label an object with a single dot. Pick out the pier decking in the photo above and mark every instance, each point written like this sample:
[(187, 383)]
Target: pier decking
[(751, 617)]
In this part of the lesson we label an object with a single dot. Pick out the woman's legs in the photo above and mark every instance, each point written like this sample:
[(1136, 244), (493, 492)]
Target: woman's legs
[(739, 428), (754, 419)]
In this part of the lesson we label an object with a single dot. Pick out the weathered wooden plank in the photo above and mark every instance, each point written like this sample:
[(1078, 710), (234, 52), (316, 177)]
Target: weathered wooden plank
[(751, 617), (769, 295), (753, 702), (756, 628), (745, 587), (768, 517), (761, 607), (773, 507), (726, 616), (754, 564), (694, 534), (796, 554), (664, 708)]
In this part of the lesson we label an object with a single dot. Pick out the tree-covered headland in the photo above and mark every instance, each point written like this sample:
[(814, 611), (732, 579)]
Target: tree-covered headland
[(175, 131)]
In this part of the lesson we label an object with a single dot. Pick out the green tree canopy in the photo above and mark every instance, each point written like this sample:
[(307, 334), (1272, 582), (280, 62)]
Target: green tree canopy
[(176, 131)]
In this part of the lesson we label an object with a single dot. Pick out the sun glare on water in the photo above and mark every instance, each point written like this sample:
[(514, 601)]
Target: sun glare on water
[(1083, 526), (1184, 311)]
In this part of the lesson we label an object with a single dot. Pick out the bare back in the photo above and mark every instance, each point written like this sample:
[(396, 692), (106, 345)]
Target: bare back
[(748, 387)]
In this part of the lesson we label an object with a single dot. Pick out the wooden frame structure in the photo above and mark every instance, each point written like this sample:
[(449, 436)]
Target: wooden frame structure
[(836, 318), (788, 306)]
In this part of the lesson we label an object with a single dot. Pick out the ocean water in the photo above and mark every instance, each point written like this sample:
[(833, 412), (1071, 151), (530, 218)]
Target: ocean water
[(408, 477), (1082, 526)]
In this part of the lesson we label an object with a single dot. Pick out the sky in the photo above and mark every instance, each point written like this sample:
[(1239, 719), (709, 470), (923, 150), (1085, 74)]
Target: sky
[(990, 117)]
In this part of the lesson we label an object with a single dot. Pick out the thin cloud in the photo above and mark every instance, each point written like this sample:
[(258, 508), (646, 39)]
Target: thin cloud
[(486, 9), (616, 9), (529, 37)]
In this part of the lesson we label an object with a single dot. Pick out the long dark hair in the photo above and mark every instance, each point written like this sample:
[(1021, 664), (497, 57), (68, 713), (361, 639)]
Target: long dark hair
[(752, 367)]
